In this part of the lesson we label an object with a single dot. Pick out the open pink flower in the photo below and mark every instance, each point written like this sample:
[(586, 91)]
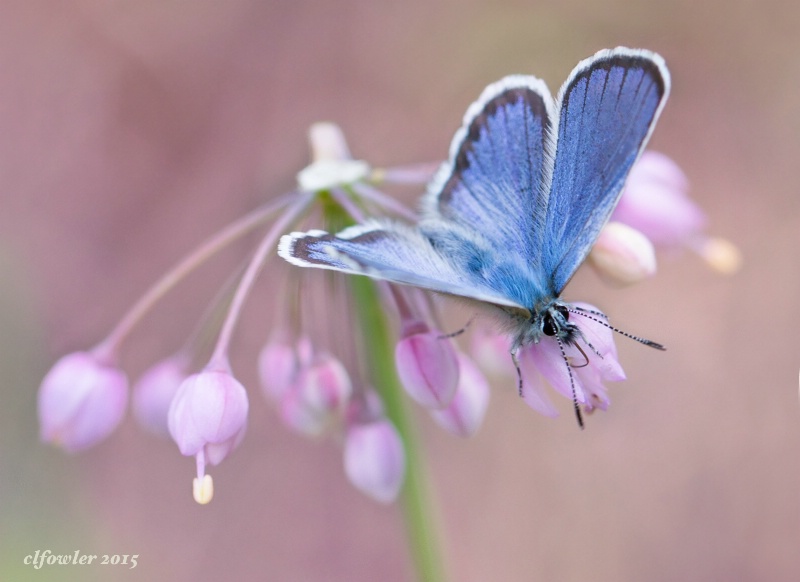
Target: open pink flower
[(588, 370), (317, 397)]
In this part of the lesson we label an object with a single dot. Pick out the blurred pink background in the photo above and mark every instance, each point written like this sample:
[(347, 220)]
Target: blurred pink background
[(129, 131)]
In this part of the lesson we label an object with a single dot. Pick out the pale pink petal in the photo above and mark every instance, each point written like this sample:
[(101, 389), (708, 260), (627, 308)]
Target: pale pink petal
[(492, 352), (428, 368), (209, 408), (533, 386), (464, 415), (549, 360), (655, 202)]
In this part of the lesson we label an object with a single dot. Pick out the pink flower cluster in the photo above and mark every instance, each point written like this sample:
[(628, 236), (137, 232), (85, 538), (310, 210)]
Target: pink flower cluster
[(84, 396)]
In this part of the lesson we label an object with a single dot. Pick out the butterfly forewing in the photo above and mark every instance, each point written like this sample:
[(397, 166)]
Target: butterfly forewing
[(606, 112), (491, 184)]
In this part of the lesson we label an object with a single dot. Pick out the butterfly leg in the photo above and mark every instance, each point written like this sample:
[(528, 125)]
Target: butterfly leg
[(575, 403), (459, 331), (514, 359)]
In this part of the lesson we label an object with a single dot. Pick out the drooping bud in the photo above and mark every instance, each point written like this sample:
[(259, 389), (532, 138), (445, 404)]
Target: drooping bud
[(464, 415), (153, 393), (208, 419), (278, 367), (623, 255), (601, 337), (547, 358), (81, 401), (374, 459), (427, 365), (318, 396)]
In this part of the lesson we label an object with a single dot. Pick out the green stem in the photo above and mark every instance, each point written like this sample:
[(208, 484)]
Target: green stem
[(418, 508)]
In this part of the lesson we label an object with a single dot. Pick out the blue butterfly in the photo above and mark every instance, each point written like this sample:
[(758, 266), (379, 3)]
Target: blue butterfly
[(528, 186)]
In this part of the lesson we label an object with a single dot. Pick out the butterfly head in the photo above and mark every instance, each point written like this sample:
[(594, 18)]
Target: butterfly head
[(555, 321), (549, 320)]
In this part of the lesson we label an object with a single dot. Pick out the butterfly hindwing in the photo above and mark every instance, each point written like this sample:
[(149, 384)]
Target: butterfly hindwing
[(393, 253), (607, 109)]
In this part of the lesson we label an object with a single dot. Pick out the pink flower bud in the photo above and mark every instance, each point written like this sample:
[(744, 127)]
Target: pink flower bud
[(81, 401), (623, 255), (153, 394), (277, 369), (318, 396), (655, 202), (208, 416), (374, 459), (464, 415), (427, 365)]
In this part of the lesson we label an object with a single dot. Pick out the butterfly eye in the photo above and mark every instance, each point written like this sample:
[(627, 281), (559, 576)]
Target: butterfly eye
[(549, 326)]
